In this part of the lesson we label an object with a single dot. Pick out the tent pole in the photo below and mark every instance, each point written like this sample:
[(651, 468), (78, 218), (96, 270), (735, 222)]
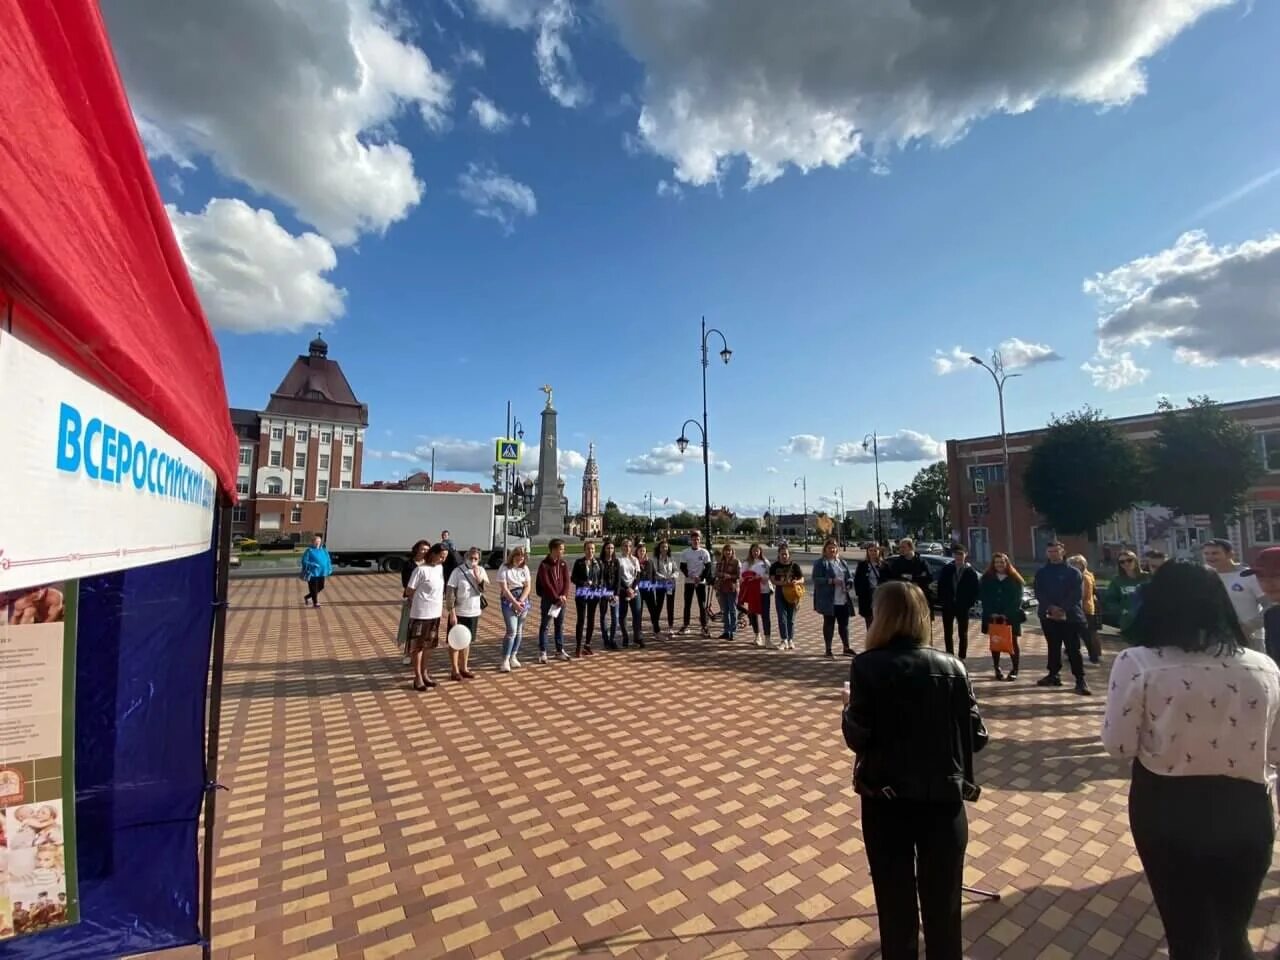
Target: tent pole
[(215, 720)]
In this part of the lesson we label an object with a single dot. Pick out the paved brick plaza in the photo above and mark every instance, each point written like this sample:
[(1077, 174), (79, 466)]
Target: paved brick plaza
[(688, 800)]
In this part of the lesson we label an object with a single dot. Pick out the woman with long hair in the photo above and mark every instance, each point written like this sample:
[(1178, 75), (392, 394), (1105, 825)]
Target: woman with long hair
[(629, 604), (759, 567), (867, 575), (664, 572), (514, 583), (728, 580), (911, 718), (1000, 594), (1088, 603), (585, 577), (417, 557), (464, 593), (611, 582), (788, 579), (1196, 714), (832, 586), (1121, 598)]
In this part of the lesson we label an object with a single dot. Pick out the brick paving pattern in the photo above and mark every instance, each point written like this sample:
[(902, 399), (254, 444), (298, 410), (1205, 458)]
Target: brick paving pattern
[(688, 800)]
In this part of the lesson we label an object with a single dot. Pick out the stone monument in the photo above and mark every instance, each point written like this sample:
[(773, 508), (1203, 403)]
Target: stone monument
[(548, 507)]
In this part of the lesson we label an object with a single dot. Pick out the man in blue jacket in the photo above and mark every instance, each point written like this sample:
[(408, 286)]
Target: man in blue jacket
[(1060, 591)]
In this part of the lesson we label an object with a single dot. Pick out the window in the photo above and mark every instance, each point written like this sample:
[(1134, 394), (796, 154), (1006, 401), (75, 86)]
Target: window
[(246, 456), (295, 515), (345, 485), (987, 472), (275, 487), (242, 486), (326, 437), (277, 433), (348, 439), (1269, 450), (1265, 522), (322, 489), (275, 458), (301, 435), (346, 463), (239, 514), (299, 461), (324, 462), (299, 487)]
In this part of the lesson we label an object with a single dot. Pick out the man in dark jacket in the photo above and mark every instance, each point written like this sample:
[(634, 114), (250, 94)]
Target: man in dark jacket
[(909, 566), (1060, 591), (958, 587), (451, 559), (553, 589)]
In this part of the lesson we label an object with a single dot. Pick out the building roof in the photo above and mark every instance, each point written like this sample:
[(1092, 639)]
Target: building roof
[(316, 388)]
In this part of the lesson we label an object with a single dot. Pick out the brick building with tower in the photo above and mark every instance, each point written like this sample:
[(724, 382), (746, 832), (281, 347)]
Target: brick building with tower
[(309, 440), (975, 471)]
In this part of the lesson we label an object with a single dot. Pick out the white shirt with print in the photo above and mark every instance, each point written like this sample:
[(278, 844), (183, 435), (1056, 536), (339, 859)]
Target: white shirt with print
[(761, 569), (427, 584), (1246, 597), (695, 561), (629, 567), (514, 579)]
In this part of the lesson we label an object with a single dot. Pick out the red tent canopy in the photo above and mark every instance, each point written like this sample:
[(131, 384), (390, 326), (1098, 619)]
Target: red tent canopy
[(89, 265)]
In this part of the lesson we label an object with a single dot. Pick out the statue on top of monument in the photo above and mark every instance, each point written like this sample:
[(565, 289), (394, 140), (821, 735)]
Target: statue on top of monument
[(546, 388)]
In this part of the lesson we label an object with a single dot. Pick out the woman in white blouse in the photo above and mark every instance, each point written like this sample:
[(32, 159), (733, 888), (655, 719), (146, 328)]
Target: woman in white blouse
[(514, 581), (1198, 714)]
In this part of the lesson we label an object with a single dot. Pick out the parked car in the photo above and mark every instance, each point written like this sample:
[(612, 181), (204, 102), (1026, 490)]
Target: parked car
[(936, 563), (278, 543), (243, 542), (931, 547)]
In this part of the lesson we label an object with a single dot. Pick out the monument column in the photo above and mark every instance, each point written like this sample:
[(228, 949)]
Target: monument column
[(548, 514)]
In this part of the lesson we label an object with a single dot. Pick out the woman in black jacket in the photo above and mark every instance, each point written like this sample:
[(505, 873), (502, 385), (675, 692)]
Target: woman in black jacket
[(611, 581), (868, 575), (911, 718), (586, 585)]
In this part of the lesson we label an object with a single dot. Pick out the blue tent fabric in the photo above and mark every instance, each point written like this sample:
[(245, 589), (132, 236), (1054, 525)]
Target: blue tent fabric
[(142, 664)]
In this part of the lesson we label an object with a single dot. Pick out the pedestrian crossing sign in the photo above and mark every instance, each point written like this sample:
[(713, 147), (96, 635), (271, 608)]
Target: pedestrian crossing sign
[(508, 451)]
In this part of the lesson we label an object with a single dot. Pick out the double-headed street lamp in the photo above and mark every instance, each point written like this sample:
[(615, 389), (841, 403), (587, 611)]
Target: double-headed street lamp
[(870, 442), (803, 484), (1000, 376), (683, 442)]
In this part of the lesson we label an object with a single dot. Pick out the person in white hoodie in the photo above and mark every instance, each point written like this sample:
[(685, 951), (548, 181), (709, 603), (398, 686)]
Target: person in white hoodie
[(695, 564)]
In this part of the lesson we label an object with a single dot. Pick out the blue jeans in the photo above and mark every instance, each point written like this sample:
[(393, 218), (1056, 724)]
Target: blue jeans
[(762, 616), (630, 610), (558, 623), (608, 621), (515, 628), (786, 617), (729, 607)]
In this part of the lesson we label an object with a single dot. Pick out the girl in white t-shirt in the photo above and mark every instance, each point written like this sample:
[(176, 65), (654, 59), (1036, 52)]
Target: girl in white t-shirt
[(514, 583), (756, 564), (426, 605), (463, 594)]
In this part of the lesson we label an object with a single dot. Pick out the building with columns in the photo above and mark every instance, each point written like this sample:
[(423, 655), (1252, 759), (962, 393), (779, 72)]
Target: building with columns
[(309, 440)]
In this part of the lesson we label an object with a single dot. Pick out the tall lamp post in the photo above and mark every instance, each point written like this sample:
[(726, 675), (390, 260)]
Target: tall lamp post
[(998, 373), (870, 442), (888, 496), (839, 494), (771, 532), (683, 443), (649, 498), (803, 484)]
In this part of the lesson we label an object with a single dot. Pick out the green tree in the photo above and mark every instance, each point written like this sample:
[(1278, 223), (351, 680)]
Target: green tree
[(1202, 461), (661, 524), (684, 520), (748, 526), (916, 504), (1082, 473), (720, 525)]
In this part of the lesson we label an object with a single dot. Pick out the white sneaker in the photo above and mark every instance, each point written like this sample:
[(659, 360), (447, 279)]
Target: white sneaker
[(542, 657), (406, 660), (769, 645), (563, 655), (505, 665), (515, 662), (759, 642), (684, 632)]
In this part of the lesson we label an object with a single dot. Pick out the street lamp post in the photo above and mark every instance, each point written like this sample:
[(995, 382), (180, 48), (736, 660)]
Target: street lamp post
[(872, 443), (771, 533), (649, 497), (888, 496), (839, 494), (683, 443), (1000, 376), (803, 484)]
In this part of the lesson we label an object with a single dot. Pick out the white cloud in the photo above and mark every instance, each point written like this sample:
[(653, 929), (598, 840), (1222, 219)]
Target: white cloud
[(552, 20), (905, 446), (805, 445), (1236, 195), (570, 461), (1015, 352), (496, 196), (296, 98), (815, 84), (253, 276), (671, 190), (489, 115), (470, 57), (517, 14), (667, 460), (1206, 303), (724, 466), (770, 469), (1115, 372), (457, 455)]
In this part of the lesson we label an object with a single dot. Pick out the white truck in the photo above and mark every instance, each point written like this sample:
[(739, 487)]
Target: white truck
[(377, 527)]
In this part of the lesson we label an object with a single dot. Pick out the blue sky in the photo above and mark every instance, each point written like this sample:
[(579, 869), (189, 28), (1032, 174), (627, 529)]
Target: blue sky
[(646, 176)]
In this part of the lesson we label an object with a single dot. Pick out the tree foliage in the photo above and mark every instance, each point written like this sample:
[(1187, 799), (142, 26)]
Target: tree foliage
[(749, 526), (916, 505), (1202, 461), (1082, 473), (684, 520)]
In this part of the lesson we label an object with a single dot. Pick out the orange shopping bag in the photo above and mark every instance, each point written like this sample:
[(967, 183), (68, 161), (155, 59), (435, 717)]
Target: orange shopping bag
[(1001, 636)]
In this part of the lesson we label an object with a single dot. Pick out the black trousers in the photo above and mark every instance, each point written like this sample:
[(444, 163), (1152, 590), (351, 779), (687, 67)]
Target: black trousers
[(314, 586), (654, 601), (831, 622), (916, 850), (1205, 843), (698, 590), (1060, 633), (959, 623), (586, 610)]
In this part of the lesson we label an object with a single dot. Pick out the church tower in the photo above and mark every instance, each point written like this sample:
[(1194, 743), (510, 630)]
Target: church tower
[(592, 520)]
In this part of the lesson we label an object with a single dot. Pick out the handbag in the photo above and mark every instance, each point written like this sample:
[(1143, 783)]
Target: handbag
[(1001, 637), (484, 601), (793, 592)]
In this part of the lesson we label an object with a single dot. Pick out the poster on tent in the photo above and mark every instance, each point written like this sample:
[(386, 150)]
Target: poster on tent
[(37, 723)]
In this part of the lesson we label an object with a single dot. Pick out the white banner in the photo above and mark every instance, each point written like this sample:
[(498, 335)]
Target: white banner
[(87, 485)]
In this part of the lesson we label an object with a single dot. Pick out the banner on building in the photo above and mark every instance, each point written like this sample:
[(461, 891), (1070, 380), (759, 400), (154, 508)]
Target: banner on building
[(88, 485), (37, 732)]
